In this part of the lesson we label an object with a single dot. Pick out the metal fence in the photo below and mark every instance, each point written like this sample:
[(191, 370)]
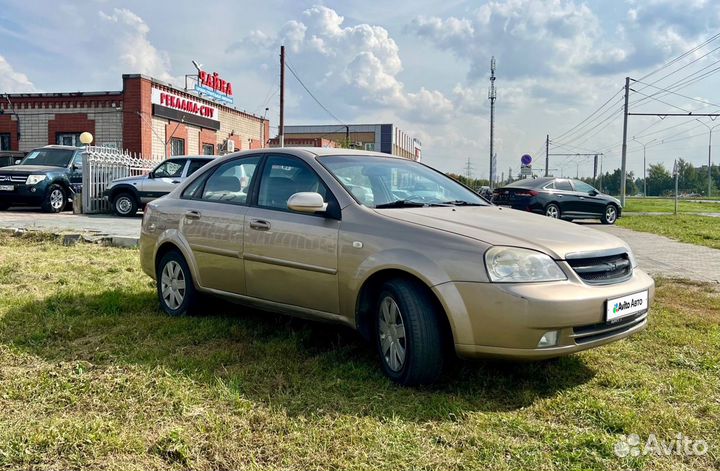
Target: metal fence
[(101, 165)]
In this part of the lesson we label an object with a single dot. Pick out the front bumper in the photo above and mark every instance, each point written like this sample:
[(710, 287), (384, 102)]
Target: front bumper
[(22, 194), (508, 320)]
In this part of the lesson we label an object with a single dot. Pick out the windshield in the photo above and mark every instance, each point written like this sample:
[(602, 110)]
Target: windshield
[(52, 157), (383, 182)]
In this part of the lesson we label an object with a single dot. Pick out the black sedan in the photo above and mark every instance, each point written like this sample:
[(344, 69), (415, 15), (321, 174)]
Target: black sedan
[(559, 198)]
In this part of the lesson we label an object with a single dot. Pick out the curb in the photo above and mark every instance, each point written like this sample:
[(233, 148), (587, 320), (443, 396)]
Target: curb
[(73, 238)]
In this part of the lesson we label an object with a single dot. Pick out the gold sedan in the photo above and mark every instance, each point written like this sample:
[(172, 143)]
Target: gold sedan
[(410, 258)]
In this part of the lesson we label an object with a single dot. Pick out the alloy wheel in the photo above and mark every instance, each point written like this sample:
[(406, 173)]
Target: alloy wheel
[(172, 284), (56, 199), (552, 211), (393, 341), (610, 214)]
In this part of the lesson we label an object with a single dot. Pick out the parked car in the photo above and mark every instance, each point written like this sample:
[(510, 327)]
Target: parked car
[(559, 198), (128, 194), (417, 276), (49, 177), (11, 157)]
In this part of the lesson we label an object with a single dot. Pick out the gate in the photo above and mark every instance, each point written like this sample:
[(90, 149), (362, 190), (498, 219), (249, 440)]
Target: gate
[(101, 165)]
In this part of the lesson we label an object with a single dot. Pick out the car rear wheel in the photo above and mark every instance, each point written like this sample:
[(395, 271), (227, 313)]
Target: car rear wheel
[(552, 211), (55, 199), (609, 216), (175, 287), (408, 334), (125, 204)]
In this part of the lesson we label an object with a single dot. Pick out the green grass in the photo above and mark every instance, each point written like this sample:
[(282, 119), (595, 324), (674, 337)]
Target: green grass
[(701, 230), (92, 375), (659, 205)]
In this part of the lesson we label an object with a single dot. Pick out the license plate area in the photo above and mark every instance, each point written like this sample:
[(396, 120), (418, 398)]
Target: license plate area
[(7, 187), (620, 307)]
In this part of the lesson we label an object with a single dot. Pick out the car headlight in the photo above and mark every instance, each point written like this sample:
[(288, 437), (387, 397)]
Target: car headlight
[(516, 265), (35, 179)]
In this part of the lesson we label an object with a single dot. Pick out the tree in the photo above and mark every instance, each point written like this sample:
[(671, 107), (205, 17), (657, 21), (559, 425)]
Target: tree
[(659, 180)]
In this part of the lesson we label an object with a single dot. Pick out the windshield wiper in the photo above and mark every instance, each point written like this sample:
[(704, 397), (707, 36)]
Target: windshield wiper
[(462, 203), (401, 204)]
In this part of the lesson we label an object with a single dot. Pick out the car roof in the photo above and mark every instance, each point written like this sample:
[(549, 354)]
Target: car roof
[(202, 157), (56, 146), (317, 152)]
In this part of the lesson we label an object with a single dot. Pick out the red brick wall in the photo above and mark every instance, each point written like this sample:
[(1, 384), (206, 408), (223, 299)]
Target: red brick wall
[(207, 136), (237, 141), (71, 123), (255, 144), (137, 130), (8, 125), (177, 131)]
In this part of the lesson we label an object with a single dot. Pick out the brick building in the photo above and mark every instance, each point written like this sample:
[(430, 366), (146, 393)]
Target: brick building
[(387, 138), (303, 142), (148, 117)]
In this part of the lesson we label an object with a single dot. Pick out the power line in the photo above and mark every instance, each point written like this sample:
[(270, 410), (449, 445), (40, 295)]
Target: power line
[(678, 94), (590, 116), (287, 64), (661, 101), (681, 56)]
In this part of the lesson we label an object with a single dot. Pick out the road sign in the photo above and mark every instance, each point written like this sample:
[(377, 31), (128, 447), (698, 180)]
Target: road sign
[(526, 159)]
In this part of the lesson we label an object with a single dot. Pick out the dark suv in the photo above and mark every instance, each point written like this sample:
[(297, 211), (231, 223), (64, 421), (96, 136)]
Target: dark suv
[(48, 177)]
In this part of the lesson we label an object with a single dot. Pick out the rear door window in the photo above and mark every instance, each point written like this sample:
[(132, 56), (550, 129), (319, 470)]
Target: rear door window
[(563, 185)]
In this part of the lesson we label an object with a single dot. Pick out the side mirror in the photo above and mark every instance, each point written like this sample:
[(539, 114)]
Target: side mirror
[(307, 202), (593, 193), (151, 175), (17, 161)]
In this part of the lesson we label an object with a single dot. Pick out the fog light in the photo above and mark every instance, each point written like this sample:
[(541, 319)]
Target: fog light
[(550, 339), (32, 190)]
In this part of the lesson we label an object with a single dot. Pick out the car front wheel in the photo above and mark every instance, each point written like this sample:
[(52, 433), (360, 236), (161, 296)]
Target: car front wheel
[(552, 211), (55, 199), (408, 334), (175, 287), (610, 214), (125, 204)]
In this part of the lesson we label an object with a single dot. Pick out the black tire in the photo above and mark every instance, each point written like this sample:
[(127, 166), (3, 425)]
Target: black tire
[(189, 301), (609, 215), (553, 211), (423, 339), (125, 204), (55, 199)]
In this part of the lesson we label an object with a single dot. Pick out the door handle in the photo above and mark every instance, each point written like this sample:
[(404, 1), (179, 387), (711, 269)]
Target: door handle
[(192, 214), (259, 225), (582, 197), (175, 182)]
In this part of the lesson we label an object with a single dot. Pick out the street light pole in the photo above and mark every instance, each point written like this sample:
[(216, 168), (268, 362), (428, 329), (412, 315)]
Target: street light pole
[(644, 165), (710, 128)]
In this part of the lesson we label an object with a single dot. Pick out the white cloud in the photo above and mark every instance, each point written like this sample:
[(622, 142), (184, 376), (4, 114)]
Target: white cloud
[(356, 65), (12, 81), (127, 34)]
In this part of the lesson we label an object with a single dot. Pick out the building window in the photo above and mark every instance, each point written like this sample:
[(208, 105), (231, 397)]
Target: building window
[(208, 149), (5, 141), (370, 146), (68, 139), (177, 146)]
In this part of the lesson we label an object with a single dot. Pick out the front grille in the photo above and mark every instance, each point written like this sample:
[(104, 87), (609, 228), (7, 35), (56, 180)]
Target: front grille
[(13, 179), (602, 330), (602, 270)]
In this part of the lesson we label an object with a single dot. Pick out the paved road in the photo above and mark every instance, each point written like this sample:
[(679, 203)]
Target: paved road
[(660, 256), (97, 224), (657, 255)]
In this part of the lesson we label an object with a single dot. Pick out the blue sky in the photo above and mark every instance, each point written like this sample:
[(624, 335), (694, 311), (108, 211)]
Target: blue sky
[(421, 64)]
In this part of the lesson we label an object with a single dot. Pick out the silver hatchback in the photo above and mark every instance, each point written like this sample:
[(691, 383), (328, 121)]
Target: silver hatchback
[(127, 195)]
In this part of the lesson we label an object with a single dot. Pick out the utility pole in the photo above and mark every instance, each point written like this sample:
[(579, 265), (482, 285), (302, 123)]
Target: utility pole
[(595, 162), (547, 154), (468, 170), (281, 125), (710, 128), (623, 166), (492, 95)]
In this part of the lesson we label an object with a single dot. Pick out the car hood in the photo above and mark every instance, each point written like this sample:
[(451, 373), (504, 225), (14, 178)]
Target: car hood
[(128, 179), (503, 226), (27, 169)]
